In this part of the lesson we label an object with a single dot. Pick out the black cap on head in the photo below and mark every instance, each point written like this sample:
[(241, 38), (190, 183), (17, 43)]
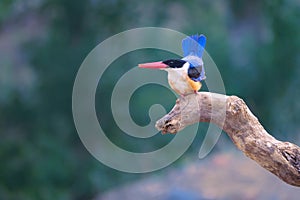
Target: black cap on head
[(174, 63)]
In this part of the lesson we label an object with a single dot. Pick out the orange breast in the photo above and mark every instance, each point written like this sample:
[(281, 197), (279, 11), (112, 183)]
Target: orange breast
[(181, 83), (194, 85)]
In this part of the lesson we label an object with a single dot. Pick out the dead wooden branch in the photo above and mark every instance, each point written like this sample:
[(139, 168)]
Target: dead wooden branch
[(232, 115)]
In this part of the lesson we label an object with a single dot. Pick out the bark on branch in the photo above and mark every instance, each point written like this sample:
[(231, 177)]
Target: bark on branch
[(232, 115)]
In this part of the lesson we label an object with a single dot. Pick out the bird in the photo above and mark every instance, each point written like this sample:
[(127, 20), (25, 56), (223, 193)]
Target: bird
[(185, 74)]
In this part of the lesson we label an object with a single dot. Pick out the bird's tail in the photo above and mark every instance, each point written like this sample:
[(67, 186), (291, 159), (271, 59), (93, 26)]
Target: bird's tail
[(194, 45)]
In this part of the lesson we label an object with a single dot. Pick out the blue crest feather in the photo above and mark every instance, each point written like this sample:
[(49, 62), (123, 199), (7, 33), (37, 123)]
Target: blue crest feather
[(194, 45)]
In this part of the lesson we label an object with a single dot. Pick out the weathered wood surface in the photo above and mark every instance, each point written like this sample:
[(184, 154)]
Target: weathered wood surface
[(232, 115)]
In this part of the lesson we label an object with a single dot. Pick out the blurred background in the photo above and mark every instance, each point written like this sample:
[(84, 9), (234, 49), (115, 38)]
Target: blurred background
[(255, 44)]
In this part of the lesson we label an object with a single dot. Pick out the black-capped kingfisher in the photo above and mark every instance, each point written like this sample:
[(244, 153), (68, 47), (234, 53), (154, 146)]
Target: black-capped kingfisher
[(184, 75)]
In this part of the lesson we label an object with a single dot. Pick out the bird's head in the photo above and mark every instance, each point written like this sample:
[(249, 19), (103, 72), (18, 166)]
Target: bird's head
[(192, 66)]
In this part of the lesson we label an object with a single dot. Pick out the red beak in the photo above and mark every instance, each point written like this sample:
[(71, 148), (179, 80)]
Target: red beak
[(153, 65)]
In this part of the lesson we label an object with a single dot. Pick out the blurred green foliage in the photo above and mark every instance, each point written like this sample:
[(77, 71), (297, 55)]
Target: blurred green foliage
[(255, 44)]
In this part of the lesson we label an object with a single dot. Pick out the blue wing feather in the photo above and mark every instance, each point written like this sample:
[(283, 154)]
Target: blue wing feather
[(201, 76), (194, 45)]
